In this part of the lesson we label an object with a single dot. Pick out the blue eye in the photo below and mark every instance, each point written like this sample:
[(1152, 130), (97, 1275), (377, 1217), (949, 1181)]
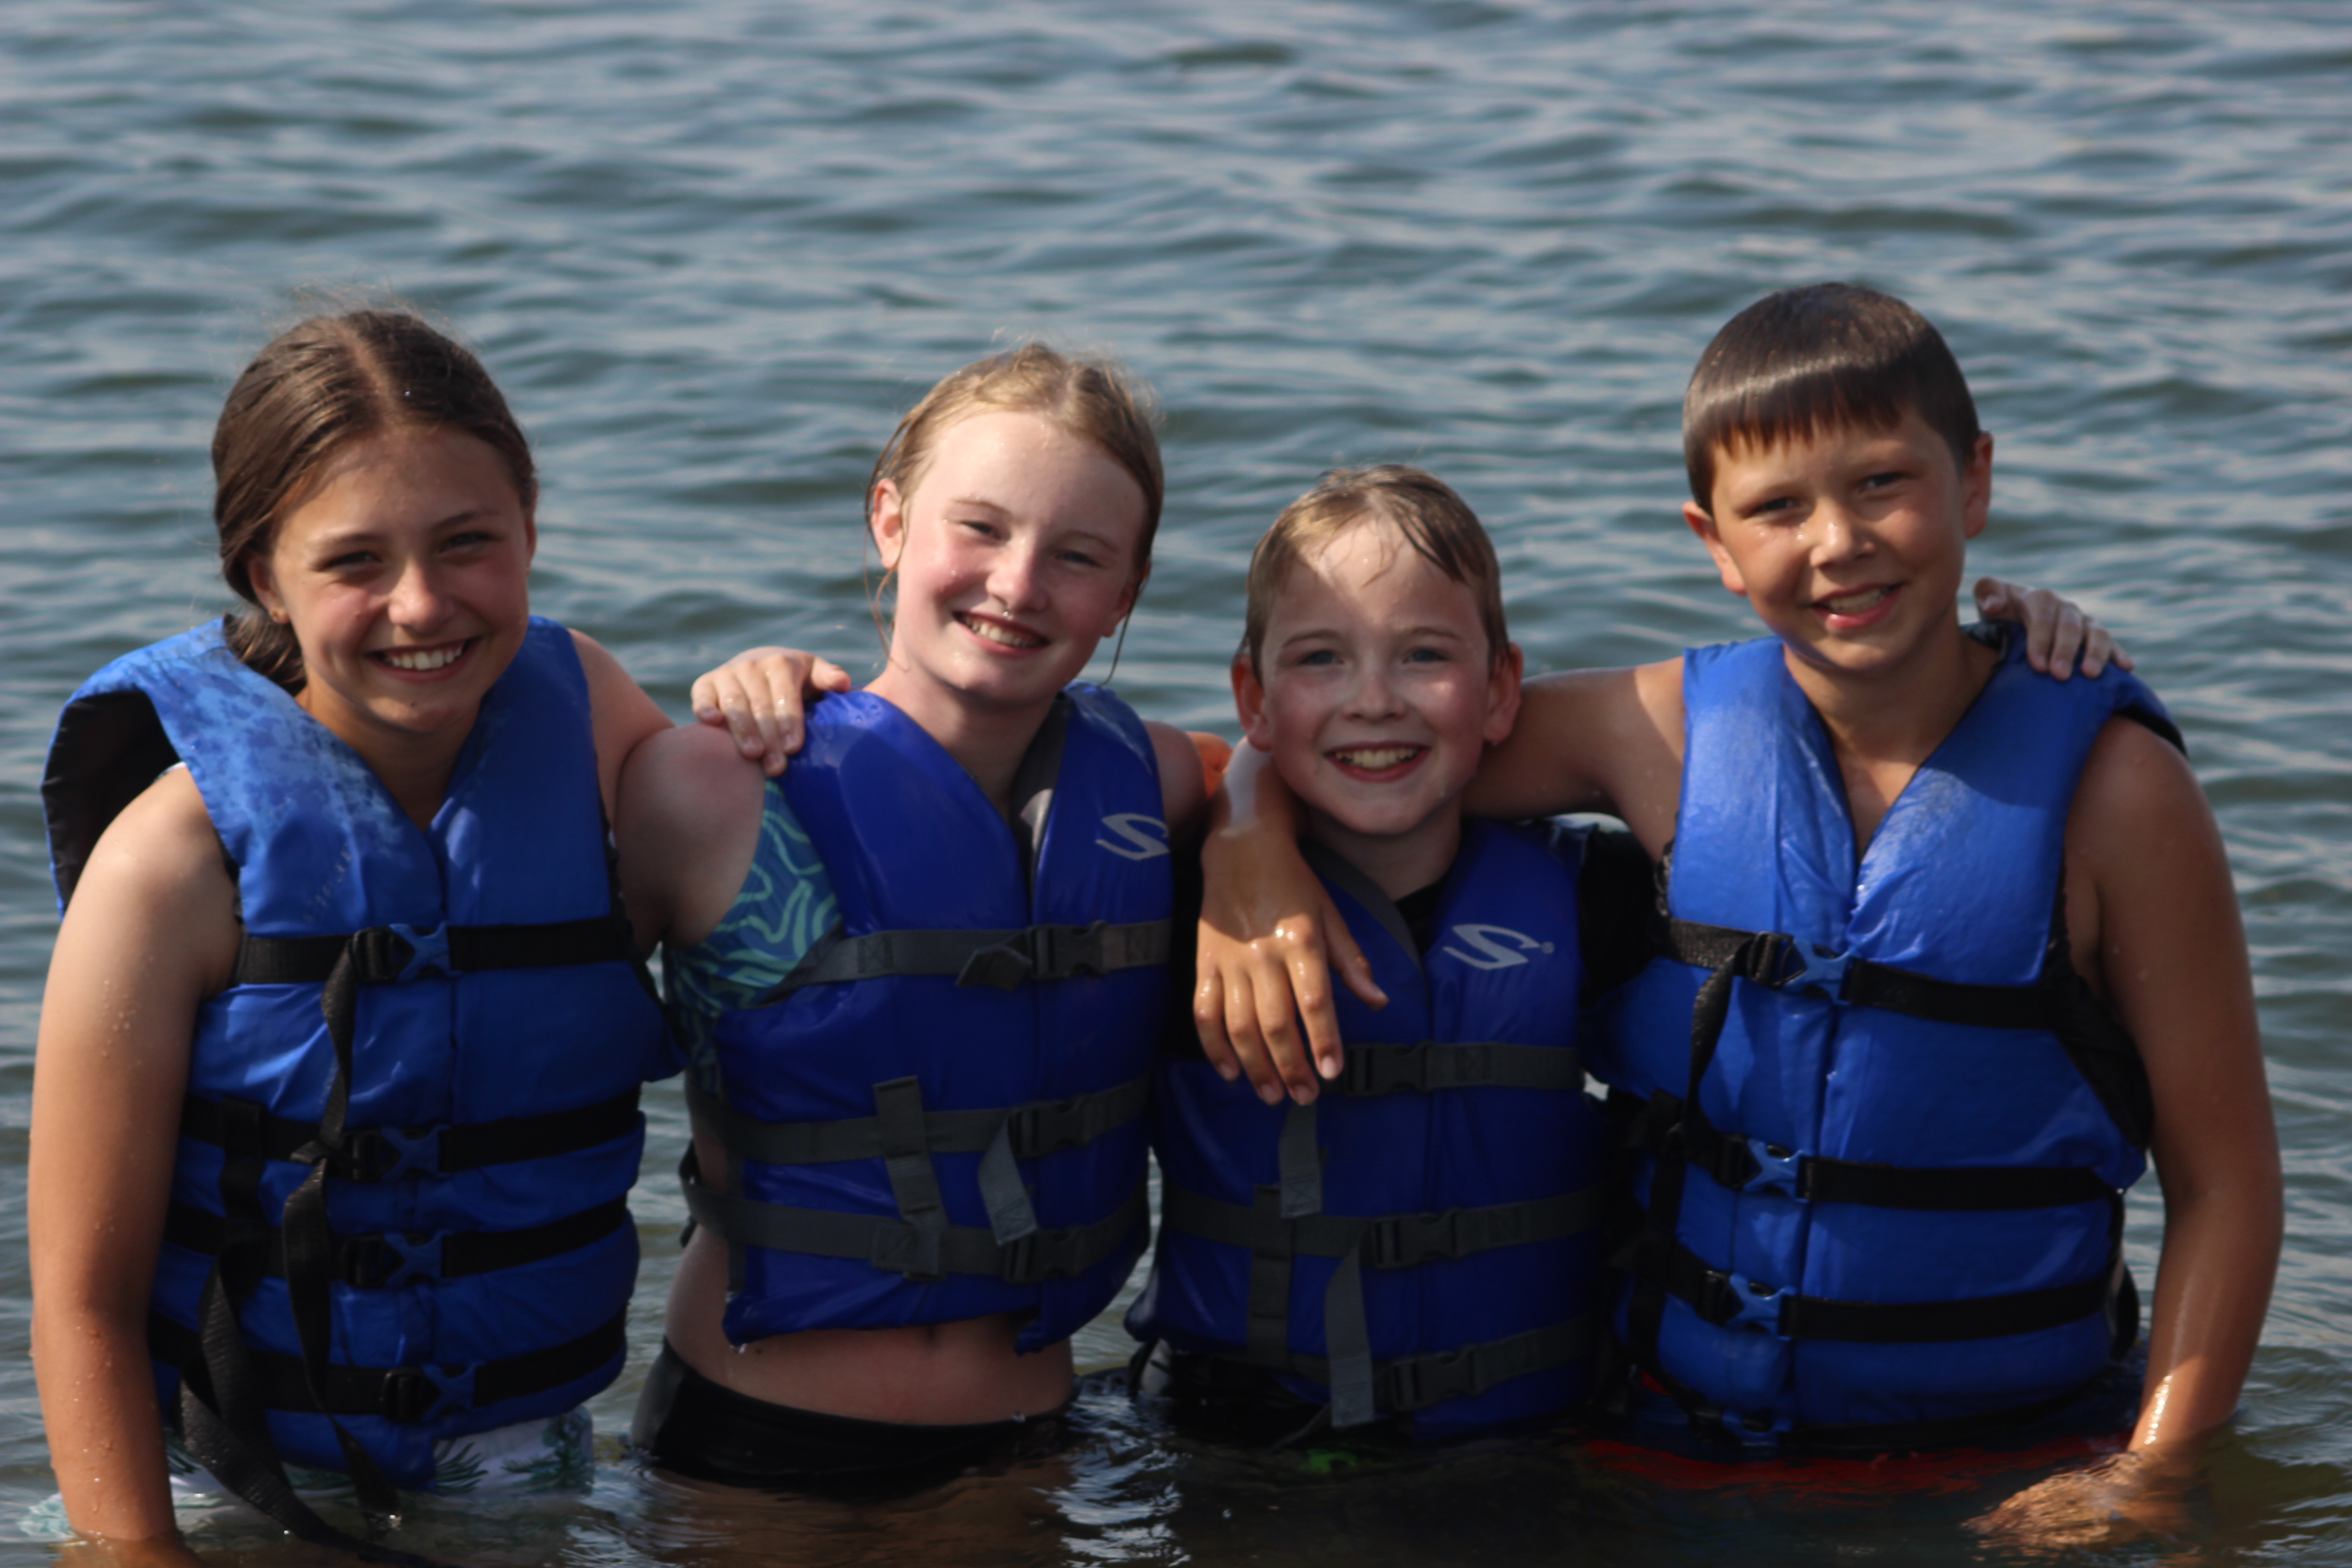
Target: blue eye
[(1425, 655), (1321, 656)]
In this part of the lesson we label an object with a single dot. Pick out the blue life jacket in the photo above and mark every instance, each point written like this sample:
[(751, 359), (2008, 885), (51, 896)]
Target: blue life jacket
[(940, 1115), (1886, 1126), (411, 1120), (1424, 1238)]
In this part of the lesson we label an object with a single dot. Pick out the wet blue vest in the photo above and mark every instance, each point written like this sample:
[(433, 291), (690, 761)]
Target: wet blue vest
[(1887, 1127), (467, 1242), (1424, 1238), (940, 1116)]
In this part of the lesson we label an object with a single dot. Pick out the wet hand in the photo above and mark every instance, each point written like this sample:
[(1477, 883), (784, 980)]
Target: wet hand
[(760, 697), (2057, 630), (1270, 939), (2134, 1496)]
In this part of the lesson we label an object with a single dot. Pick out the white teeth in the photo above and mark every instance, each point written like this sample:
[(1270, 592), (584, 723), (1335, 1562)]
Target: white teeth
[(1853, 604), (422, 658), (1375, 759), (996, 633)]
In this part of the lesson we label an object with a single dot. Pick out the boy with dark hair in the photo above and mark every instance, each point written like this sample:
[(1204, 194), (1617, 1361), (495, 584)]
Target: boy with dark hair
[(1949, 946)]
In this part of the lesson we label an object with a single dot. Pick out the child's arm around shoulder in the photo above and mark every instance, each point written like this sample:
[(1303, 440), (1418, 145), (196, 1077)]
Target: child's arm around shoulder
[(1591, 740), (1184, 761), (2150, 897), (151, 933)]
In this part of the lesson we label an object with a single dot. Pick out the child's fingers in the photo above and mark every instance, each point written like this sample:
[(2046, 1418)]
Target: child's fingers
[(1209, 1020), (1243, 1028), (830, 677), (2098, 650)]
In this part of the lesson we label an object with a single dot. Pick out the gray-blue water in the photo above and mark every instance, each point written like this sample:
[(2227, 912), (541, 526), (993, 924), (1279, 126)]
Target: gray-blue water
[(712, 250)]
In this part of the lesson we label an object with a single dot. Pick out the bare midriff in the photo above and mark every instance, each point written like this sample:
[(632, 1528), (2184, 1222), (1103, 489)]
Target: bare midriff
[(937, 1374)]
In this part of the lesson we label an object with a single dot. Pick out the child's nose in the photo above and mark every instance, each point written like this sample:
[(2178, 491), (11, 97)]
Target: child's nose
[(1016, 578)]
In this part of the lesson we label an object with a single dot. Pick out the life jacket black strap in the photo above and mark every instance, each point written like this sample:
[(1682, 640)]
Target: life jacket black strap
[(1657, 1126), (1381, 1241), (1003, 959), (373, 1262), (383, 1153), (1787, 964), (1031, 1131), (1726, 1299), (387, 955), (1428, 1066), (1416, 1383), (404, 1394), (900, 1245)]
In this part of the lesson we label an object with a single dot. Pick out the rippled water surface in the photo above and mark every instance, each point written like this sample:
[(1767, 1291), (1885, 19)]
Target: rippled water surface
[(711, 250)]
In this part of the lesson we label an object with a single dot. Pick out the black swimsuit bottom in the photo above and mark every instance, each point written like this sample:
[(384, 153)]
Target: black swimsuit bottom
[(693, 1426)]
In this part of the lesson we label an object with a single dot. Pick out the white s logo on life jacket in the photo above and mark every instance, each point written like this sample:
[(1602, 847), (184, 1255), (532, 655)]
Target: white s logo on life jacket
[(1145, 836), (1489, 940)]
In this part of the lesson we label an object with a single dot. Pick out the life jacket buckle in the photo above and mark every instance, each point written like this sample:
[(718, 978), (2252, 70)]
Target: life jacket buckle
[(428, 951), (419, 1256), (1400, 1241), (1026, 1261), (387, 1154), (1775, 1169), (1818, 969), (1736, 1301), (1424, 1381), (416, 1393)]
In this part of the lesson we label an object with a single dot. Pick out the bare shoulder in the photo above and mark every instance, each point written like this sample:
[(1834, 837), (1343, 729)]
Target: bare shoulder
[(687, 775), (1183, 784), (2138, 794), (688, 827), (621, 713), (159, 883)]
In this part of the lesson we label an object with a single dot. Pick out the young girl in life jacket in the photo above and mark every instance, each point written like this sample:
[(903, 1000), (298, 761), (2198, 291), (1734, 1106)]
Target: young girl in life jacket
[(334, 1112), (923, 975)]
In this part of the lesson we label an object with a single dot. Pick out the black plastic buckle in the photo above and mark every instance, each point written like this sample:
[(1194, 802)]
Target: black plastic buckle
[(1036, 1258), (1400, 1241), (414, 1394), (1386, 1070), (1003, 965), (1064, 951), (1731, 1163), (387, 1153), (911, 1251), (1434, 1379), (1815, 969), (1048, 1127)]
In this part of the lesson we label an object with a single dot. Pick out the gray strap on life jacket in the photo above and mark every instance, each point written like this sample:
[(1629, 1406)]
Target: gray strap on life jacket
[(1287, 1222), (897, 1247), (1000, 1137), (1003, 959), (1415, 1383), (1033, 1130)]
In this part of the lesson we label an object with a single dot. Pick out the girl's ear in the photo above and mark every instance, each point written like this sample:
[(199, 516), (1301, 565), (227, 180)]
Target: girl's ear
[(264, 584), (1249, 702), (885, 518)]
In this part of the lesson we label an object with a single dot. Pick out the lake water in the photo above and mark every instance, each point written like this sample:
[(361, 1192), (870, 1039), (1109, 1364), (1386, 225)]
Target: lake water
[(711, 250)]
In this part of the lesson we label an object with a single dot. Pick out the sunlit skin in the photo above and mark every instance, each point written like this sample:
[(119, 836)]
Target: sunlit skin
[(1014, 552), (411, 547), (1850, 544)]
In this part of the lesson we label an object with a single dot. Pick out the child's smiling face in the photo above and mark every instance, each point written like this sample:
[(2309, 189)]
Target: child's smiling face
[(1851, 544), (1376, 692)]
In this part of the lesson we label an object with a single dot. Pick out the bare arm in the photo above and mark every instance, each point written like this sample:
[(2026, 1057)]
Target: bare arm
[(1183, 781), (620, 713), (687, 827), (151, 933), (2172, 956)]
